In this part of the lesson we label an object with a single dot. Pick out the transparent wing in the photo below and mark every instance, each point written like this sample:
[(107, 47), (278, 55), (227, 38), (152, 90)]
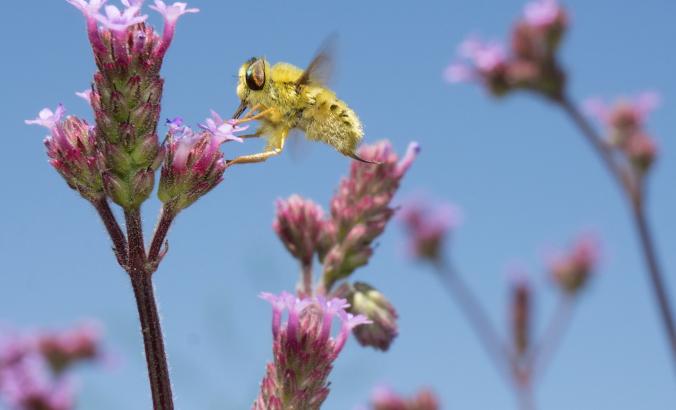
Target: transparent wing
[(298, 146), (321, 67)]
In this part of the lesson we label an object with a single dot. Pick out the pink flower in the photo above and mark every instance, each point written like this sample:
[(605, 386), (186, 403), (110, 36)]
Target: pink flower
[(48, 118), (173, 12), (171, 15), (222, 130), (542, 13), (85, 95), (571, 269), (625, 112), (303, 351), (88, 8), (483, 61), (193, 163), (427, 226), (120, 21)]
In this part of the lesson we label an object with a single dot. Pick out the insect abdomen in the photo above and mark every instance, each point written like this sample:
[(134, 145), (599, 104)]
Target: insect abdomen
[(331, 121)]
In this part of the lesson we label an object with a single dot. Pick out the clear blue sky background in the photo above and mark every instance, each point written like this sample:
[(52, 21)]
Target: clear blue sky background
[(517, 167)]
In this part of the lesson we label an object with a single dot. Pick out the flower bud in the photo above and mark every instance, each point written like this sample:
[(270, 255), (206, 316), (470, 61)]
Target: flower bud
[(298, 223), (193, 163), (520, 313), (368, 301), (571, 270), (428, 227), (73, 151)]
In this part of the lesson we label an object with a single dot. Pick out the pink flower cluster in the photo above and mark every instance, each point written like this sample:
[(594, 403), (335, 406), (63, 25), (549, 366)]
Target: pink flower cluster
[(530, 65), (343, 240), (72, 151), (34, 367), (625, 124), (193, 163), (303, 350)]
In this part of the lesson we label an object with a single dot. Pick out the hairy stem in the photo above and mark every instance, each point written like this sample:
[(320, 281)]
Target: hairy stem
[(141, 280), (167, 216), (634, 196), (114, 230), (306, 279)]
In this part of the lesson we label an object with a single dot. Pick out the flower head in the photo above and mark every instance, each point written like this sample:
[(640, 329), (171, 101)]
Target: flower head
[(360, 209), (73, 151), (298, 223), (485, 62), (303, 351), (428, 227), (571, 269), (31, 377), (193, 163)]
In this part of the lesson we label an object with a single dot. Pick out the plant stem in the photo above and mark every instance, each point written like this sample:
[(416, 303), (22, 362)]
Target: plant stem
[(167, 216), (141, 280), (634, 196), (306, 279), (543, 352), (114, 230)]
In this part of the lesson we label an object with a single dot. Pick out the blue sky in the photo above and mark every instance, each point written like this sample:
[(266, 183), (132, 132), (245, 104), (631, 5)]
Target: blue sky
[(523, 176)]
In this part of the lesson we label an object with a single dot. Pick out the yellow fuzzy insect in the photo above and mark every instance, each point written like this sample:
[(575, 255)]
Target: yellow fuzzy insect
[(283, 97)]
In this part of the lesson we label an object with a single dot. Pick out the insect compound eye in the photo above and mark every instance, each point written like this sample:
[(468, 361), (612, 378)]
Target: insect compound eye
[(255, 75)]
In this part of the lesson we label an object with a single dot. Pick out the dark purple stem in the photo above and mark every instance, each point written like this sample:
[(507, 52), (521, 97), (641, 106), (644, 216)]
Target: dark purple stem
[(141, 280), (114, 230), (634, 195), (166, 218)]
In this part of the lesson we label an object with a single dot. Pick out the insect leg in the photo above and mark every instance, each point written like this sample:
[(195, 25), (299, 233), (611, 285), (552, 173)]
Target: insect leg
[(254, 117), (271, 151)]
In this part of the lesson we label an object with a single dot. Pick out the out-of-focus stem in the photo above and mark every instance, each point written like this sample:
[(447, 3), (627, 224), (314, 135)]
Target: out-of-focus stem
[(167, 216), (476, 317), (543, 352), (114, 230), (306, 279), (141, 280), (634, 195)]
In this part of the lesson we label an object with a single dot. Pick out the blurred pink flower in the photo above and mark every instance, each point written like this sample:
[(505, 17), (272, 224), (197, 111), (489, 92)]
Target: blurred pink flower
[(427, 226), (572, 268)]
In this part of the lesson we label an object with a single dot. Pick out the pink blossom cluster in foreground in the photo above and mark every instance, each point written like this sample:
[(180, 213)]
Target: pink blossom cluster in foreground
[(35, 367), (303, 350)]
